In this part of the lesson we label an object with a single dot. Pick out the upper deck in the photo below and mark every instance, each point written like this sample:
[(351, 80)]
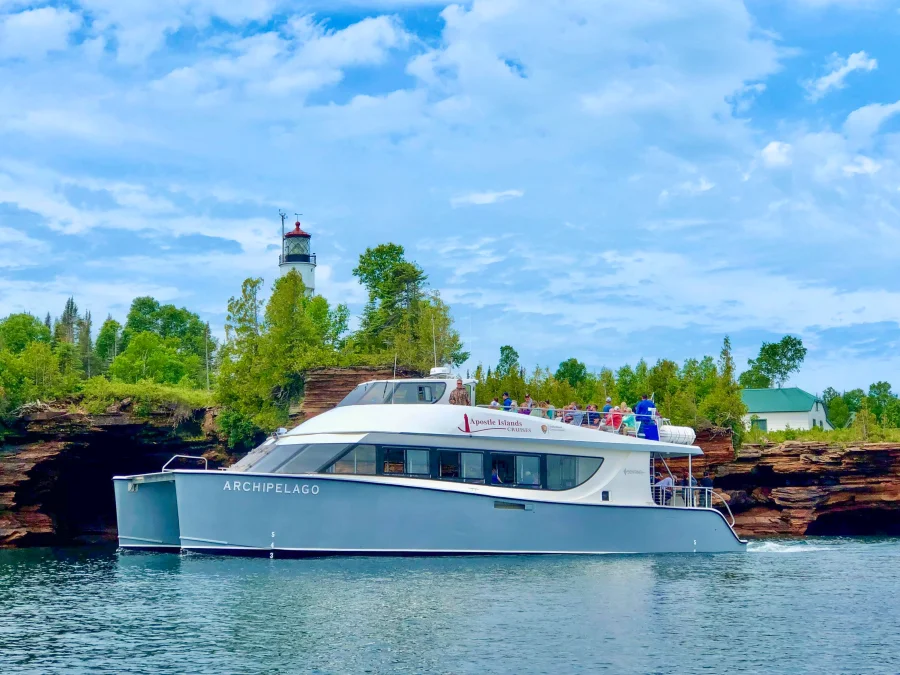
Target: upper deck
[(469, 422)]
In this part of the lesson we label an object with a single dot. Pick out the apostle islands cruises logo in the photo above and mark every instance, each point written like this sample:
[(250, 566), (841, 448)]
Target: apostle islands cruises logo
[(475, 425)]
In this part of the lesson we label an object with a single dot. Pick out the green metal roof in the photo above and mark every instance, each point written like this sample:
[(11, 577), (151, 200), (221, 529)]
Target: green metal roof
[(789, 399)]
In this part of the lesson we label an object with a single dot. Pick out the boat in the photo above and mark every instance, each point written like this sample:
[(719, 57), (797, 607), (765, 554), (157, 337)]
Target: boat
[(396, 470)]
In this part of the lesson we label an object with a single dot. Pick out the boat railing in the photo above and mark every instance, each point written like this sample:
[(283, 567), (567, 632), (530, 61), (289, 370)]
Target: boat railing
[(174, 457), (683, 496), (612, 421)]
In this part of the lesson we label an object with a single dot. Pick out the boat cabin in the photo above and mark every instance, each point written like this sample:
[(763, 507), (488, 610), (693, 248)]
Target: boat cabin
[(435, 388)]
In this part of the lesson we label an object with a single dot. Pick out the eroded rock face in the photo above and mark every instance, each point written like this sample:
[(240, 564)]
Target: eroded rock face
[(56, 471), (800, 488)]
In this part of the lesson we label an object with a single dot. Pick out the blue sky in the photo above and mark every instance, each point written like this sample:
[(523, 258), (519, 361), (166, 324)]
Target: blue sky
[(602, 179)]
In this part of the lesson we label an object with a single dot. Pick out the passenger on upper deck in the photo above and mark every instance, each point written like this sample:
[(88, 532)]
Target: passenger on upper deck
[(507, 401), (495, 403), (608, 405), (642, 409), (459, 396)]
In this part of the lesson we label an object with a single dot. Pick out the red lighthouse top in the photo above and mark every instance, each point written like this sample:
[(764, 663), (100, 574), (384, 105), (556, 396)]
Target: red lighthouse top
[(297, 232)]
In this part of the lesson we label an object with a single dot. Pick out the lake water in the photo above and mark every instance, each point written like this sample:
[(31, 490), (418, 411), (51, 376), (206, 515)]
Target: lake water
[(814, 606)]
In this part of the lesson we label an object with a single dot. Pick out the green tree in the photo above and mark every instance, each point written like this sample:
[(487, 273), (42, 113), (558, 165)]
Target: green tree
[(853, 399), (150, 357), (724, 406), (39, 370), (17, 331), (662, 382), (85, 346), (395, 286), (754, 379), (776, 362), (508, 363), (65, 328), (837, 411), (109, 342), (572, 371), (880, 396), (143, 317)]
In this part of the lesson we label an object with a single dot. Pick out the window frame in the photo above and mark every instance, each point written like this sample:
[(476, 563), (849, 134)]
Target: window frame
[(486, 460)]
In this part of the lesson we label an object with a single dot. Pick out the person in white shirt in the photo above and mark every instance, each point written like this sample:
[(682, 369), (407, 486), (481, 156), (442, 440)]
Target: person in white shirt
[(663, 492), (495, 403)]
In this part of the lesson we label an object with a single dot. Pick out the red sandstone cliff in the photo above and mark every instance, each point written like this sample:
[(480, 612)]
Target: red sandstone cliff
[(56, 471), (800, 488)]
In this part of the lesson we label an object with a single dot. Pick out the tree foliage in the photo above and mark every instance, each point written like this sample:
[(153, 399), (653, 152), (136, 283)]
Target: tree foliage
[(774, 364)]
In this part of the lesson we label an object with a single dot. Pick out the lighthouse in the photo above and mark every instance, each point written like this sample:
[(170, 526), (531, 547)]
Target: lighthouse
[(295, 255)]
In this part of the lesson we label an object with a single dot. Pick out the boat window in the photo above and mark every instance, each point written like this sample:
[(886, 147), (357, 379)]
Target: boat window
[(270, 461), (565, 472), (368, 393), (449, 464), (360, 460), (528, 471), (417, 392), (310, 458), (472, 466), (516, 470), (399, 393), (407, 461), (468, 466)]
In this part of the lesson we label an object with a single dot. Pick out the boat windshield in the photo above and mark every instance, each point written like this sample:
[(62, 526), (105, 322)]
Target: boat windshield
[(400, 393)]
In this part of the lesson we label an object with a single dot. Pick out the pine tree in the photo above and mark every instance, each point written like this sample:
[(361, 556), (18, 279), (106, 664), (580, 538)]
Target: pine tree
[(64, 329), (85, 345)]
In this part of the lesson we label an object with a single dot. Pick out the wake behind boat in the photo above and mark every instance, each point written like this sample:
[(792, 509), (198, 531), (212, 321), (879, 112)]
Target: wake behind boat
[(395, 470)]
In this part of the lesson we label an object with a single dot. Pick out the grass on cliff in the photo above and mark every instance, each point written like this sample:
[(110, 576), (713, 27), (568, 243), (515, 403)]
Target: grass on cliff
[(854, 434), (99, 393)]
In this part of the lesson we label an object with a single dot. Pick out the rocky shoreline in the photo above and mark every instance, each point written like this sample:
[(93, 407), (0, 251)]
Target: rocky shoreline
[(56, 470)]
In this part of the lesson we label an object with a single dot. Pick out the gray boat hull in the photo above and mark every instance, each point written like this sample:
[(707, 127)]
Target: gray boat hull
[(147, 512), (222, 512)]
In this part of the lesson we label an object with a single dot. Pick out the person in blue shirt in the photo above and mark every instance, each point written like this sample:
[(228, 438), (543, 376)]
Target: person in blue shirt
[(608, 405), (507, 401), (495, 477), (642, 415), (643, 408)]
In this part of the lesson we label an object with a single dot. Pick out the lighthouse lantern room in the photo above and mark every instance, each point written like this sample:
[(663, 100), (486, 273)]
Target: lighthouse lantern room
[(295, 255)]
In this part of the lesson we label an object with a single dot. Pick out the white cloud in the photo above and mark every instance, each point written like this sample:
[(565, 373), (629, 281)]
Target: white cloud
[(140, 27), (688, 188), (482, 198), (305, 57), (840, 69), (35, 32), (863, 123), (861, 166), (777, 154), (17, 249)]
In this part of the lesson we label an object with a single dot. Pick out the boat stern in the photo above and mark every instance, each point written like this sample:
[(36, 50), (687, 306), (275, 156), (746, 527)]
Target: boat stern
[(147, 512)]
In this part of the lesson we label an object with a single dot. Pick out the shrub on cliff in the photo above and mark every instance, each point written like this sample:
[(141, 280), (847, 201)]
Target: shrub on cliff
[(98, 394)]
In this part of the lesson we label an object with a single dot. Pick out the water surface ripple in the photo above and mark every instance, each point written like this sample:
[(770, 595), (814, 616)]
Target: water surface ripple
[(814, 606)]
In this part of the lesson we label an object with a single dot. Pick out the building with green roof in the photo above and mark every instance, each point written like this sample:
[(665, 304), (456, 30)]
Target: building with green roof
[(778, 409)]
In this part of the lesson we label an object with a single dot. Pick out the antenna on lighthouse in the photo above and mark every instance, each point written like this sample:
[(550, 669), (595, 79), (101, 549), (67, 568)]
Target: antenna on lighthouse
[(283, 216)]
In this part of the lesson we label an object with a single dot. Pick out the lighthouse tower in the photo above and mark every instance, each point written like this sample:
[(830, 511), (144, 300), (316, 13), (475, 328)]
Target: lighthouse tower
[(295, 255)]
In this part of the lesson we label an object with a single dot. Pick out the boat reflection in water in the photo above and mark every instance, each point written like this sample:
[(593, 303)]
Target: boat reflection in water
[(394, 470)]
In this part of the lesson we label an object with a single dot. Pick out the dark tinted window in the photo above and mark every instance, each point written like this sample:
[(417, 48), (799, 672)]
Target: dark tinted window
[(276, 457), (516, 470), (565, 472), (409, 461), (468, 466), (399, 393), (311, 458), (360, 460)]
